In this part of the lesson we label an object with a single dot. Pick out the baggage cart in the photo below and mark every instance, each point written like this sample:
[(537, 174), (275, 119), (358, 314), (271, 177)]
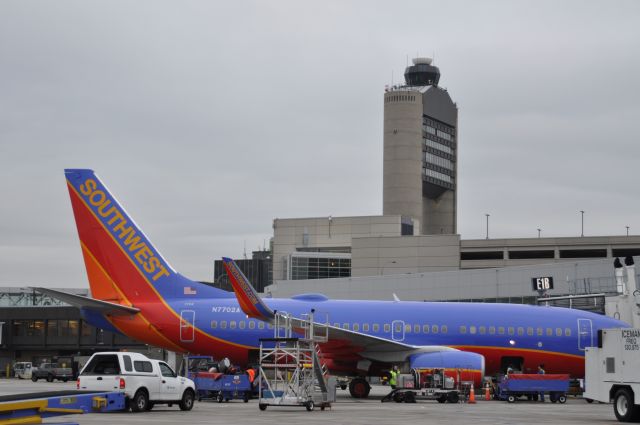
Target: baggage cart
[(516, 385)]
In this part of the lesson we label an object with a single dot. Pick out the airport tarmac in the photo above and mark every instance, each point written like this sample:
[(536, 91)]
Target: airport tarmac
[(345, 411)]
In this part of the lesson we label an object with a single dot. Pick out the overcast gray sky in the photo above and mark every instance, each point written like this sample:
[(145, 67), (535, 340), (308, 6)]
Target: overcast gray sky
[(209, 119)]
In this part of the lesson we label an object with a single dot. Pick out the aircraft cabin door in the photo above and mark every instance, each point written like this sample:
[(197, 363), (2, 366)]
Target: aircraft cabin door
[(585, 334), (397, 330), (187, 325)]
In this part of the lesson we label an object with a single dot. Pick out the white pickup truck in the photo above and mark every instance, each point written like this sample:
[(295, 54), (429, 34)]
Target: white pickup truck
[(144, 381)]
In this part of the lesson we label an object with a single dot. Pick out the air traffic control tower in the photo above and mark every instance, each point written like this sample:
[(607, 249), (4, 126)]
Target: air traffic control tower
[(420, 151)]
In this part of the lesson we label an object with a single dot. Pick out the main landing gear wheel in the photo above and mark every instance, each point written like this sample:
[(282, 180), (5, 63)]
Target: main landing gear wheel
[(511, 399), (262, 406), (359, 388), (310, 405)]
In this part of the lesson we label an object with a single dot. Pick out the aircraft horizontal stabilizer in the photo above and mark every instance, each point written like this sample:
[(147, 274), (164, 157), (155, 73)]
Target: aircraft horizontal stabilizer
[(248, 298), (103, 307)]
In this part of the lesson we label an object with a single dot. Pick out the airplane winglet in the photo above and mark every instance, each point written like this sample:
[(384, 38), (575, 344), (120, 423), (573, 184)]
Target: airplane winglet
[(248, 298)]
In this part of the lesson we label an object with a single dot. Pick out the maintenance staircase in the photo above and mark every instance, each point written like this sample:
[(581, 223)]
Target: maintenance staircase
[(291, 370)]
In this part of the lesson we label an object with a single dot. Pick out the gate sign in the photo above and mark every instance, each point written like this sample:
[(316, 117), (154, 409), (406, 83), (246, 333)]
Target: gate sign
[(542, 283)]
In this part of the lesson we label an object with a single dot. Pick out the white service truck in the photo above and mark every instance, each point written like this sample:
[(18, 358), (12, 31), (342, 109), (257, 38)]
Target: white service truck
[(612, 372), (145, 382)]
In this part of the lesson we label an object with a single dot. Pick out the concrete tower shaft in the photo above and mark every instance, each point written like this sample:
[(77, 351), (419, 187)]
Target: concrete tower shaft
[(420, 151)]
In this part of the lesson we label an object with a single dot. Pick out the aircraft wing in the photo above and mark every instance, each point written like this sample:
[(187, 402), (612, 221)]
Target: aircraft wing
[(344, 341), (103, 307)]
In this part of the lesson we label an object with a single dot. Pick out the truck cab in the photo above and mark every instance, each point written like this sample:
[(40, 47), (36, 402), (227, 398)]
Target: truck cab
[(144, 381)]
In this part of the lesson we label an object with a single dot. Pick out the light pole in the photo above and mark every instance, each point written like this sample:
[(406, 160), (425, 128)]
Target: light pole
[(487, 225), (539, 230), (627, 230), (582, 219)]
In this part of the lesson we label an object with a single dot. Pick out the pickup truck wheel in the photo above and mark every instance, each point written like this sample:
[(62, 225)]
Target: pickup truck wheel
[(220, 398), (140, 401), (623, 405), (49, 378), (65, 379), (187, 400), (34, 378)]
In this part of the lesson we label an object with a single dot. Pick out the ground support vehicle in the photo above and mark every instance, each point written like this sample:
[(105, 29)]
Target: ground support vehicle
[(516, 385), (145, 382), (33, 408), (290, 371), (411, 388), (222, 387), (22, 370), (612, 372), (51, 371)]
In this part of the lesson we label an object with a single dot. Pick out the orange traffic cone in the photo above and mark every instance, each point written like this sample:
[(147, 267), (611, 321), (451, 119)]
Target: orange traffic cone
[(487, 392), (472, 396)]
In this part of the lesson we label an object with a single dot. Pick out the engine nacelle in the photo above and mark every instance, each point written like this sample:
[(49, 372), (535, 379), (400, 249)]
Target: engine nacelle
[(460, 365)]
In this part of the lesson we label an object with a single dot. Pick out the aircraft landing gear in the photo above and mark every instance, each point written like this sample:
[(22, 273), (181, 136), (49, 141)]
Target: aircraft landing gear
[(359, 388)]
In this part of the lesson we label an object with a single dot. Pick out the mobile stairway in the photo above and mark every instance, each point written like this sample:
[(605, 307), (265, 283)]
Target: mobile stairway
[(290, 372)]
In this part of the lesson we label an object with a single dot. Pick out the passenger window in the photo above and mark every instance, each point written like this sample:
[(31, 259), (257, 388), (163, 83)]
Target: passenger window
[(365, 327), (232, 324), (549, 332), (223, 324), (539, 331), (127, 363), (407, 328), (252, 324), (260, 325), (166, 371), (482, 330), (558, 332), (434, 329), (492, 330), (511, 330), (242, 324), (463, 329), (356, 327), (376, 327), (336, 325), (387, 327), (520, 331), (425, 329), (416, 329), (270, 326), (567, 332), (530, 331), (397, 328), (214, 324), (472, 329), (501, 330), (443, 329), (345, 326)]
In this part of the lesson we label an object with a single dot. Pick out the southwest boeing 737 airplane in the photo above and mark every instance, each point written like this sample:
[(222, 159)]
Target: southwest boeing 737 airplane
[(136, 292)]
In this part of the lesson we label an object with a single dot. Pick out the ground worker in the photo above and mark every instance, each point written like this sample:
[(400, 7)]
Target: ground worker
[(252, 375), (393, 377), (541, 372)]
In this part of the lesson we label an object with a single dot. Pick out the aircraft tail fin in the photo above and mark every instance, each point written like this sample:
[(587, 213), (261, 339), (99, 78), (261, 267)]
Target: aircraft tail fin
[(122, 265), (248, 298)]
